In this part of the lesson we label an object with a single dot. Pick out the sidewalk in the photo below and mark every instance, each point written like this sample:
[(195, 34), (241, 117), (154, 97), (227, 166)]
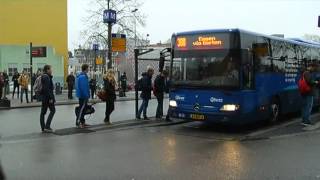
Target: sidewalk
[(60, 100)]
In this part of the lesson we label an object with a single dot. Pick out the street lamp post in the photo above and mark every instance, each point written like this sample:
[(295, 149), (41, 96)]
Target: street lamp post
[(135, 27), (109, 40), (109, 17)]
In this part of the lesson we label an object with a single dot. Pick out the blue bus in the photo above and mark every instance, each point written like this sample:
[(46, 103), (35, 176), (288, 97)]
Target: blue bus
[(235, 76)]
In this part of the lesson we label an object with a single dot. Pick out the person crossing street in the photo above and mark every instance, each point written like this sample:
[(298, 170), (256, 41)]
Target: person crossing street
[(48, 99)]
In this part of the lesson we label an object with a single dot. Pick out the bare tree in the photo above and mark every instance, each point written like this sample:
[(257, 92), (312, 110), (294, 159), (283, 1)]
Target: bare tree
[(312, 37), (127, 20)]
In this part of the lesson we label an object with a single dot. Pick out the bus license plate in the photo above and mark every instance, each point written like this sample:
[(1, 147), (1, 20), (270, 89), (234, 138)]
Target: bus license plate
[(198, 117)]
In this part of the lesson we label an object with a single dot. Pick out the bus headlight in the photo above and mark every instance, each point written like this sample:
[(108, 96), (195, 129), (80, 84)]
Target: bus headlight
[(173, 103), (229, 107)]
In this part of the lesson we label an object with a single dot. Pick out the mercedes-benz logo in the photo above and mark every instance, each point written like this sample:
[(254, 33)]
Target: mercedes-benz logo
[(197, 96), (196, 107)]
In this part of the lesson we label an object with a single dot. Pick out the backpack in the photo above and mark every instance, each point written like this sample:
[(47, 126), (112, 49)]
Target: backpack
[(303, 86), (38, 85)]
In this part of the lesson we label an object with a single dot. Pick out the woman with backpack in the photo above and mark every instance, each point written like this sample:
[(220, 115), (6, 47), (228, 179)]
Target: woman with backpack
[(110, 89), (306, 86)]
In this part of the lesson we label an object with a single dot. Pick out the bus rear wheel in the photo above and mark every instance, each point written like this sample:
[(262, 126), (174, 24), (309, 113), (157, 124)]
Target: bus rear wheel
[(275, 111)]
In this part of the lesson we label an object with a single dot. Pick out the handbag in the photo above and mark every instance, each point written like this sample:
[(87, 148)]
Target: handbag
[(102, 95), (89, 109)]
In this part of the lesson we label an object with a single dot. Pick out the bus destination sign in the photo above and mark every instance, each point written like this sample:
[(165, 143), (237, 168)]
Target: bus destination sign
[(202, 42)]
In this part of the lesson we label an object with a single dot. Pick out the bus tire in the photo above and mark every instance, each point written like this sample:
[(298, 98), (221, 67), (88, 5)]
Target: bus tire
[(275, 111)]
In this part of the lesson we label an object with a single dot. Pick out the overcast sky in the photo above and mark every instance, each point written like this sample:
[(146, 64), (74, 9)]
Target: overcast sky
[(293, 18)]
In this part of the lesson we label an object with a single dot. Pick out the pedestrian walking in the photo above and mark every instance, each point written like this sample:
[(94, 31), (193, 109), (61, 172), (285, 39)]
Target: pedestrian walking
[(307, 87), (159, 89), (33, 79), (93, 86), (6, 84), (70, 82), (123, 81), (2, 176), (1, 84), (110, 89), (82, 88), (146, 88), (16, 86), (24, 83), (48, 99)]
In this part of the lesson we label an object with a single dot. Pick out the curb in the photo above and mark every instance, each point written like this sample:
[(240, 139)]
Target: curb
[(63, 103)]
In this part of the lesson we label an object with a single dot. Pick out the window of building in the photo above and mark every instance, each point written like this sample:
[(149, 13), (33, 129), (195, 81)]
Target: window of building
[(26, 67), (12, 68)]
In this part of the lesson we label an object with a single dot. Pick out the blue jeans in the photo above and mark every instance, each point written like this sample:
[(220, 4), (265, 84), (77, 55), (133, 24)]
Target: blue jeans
[(143, 107), (307, 103)]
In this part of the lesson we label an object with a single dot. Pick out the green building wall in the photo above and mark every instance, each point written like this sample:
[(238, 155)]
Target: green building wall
[(17, 55)]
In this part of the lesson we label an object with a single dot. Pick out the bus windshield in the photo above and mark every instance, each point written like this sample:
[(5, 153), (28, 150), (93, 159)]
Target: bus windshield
[(215, 68)]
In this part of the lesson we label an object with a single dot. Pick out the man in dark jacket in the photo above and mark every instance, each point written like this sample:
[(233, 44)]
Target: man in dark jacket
[(160, 87), (1, 84), (307, 98), (48, 99), (16, 86), (123, 82), (6, 84), (146, 88), (93, 86), (70, 82)]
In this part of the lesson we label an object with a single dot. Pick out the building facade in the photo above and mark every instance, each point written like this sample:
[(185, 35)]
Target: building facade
[(42, 22)]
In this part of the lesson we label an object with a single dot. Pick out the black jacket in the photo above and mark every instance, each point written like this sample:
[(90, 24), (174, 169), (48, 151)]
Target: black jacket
[(15, 79), (47, 88), (93, 84), (146, 86), (6, 78), (71, 80), (311, 82), (160, 86), (110, 90)]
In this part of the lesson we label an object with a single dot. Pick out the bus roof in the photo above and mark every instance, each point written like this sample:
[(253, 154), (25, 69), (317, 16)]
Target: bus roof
[(291, 40)]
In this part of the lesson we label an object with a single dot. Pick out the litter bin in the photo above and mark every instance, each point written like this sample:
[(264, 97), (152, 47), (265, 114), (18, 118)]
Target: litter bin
[(58, 89)]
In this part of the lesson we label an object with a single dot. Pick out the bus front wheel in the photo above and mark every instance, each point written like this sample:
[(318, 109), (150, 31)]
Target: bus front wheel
[(275, 111)]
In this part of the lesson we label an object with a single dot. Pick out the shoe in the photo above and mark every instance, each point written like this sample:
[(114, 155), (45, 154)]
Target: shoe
[(146, 118), (86, 125), (306, 124), (47, 130), (138, 118), (81, 126)]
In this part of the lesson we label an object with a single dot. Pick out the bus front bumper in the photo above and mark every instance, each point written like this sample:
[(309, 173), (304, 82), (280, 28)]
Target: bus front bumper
[(236, 118)]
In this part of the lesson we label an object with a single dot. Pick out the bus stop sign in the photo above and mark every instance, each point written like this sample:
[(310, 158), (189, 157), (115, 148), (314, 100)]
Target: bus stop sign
[(109, 16)]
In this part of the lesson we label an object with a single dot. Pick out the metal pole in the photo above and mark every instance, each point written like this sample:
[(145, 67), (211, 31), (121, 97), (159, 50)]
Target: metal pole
[(135, 32), (31, 74), (110, 45), (95, 62), (136, 55), (109, 41)]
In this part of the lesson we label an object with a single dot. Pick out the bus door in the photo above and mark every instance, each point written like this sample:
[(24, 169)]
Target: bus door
[(247, 69)]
